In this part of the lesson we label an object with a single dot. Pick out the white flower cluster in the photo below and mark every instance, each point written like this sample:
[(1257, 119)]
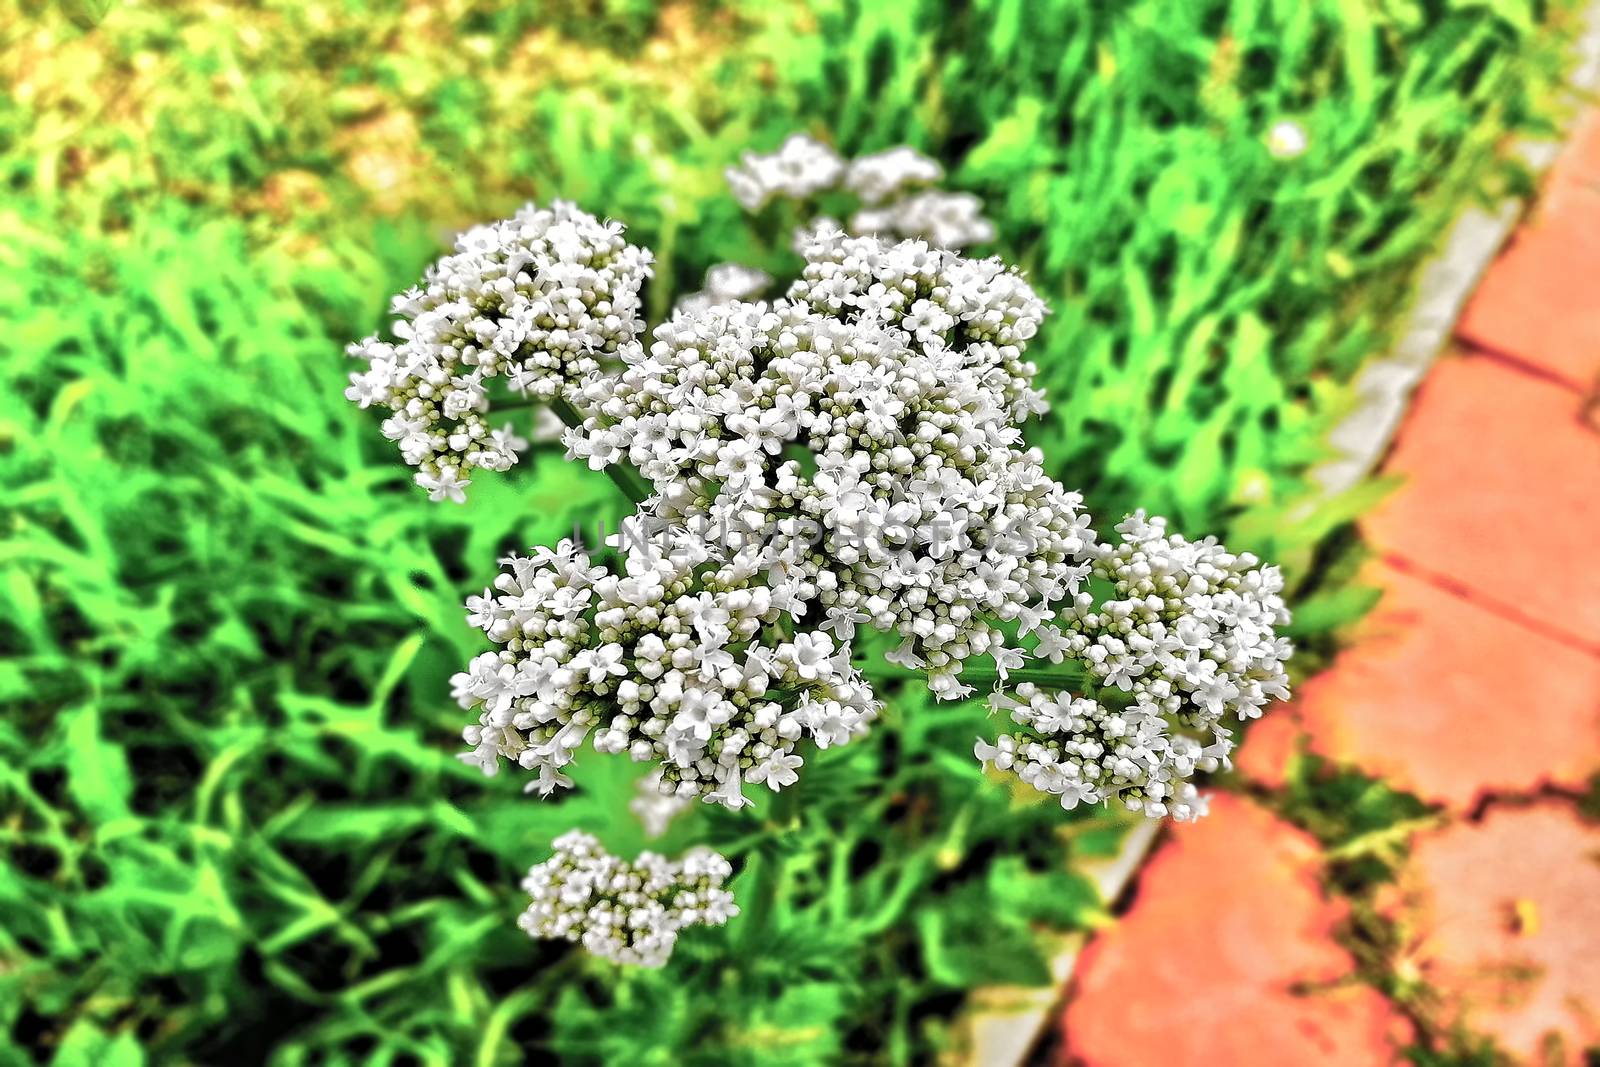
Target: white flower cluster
[(884, 175), (679, 656), (801, 168), (1191, 628), (946, 303), (538, 299), (893, 188), (850, 455), (725, 283), (626, 912), (1185, 639), (1086, 752), (946, 220), (857, 443)]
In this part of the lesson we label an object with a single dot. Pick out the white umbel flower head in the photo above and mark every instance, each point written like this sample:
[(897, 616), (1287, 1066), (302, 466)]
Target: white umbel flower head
[(893, 188), (801, 168), (725, 283), (1183, 648), (857, 443), (538, 300), (676, 656), (848, 456), (943, 219), (882, 175), (629, 913)]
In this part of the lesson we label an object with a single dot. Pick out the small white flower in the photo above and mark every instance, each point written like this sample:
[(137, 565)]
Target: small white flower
[(777, 771), (1051, 645), (1002, 754), (604, 663), (812, 655), (878, 177), (481, 610), (1287, 139), (445, 485), (1007, 660)]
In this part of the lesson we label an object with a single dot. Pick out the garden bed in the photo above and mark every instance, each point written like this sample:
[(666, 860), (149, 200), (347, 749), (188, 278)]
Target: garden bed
[(231, 622)]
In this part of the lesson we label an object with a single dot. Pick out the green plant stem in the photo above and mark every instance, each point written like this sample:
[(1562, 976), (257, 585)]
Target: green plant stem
[(629, 481), (766, 868), (1066, 676)]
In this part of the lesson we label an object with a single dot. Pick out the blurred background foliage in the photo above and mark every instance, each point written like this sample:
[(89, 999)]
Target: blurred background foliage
[(232, 827)]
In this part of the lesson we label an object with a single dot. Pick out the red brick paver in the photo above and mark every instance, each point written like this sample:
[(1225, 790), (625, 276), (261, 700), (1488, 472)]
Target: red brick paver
[(1449, 700), (1502, 920), (1539, 303), (1501, 496), (1227, 958), (1271, 746)]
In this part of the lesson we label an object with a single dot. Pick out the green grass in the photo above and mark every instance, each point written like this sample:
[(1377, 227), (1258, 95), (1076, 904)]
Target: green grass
[(232, 824)]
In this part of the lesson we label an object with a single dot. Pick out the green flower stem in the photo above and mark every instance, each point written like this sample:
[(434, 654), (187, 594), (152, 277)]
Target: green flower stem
[(765, 866), (631, 483), (1067, 676)]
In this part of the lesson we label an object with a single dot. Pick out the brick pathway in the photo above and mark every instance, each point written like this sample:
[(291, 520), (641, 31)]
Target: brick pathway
[(1473, 926)]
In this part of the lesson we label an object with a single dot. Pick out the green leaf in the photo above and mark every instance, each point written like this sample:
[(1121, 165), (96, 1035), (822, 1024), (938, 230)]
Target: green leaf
[(971, 947), (85, 1045), (1059, 897), (97, 770)]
